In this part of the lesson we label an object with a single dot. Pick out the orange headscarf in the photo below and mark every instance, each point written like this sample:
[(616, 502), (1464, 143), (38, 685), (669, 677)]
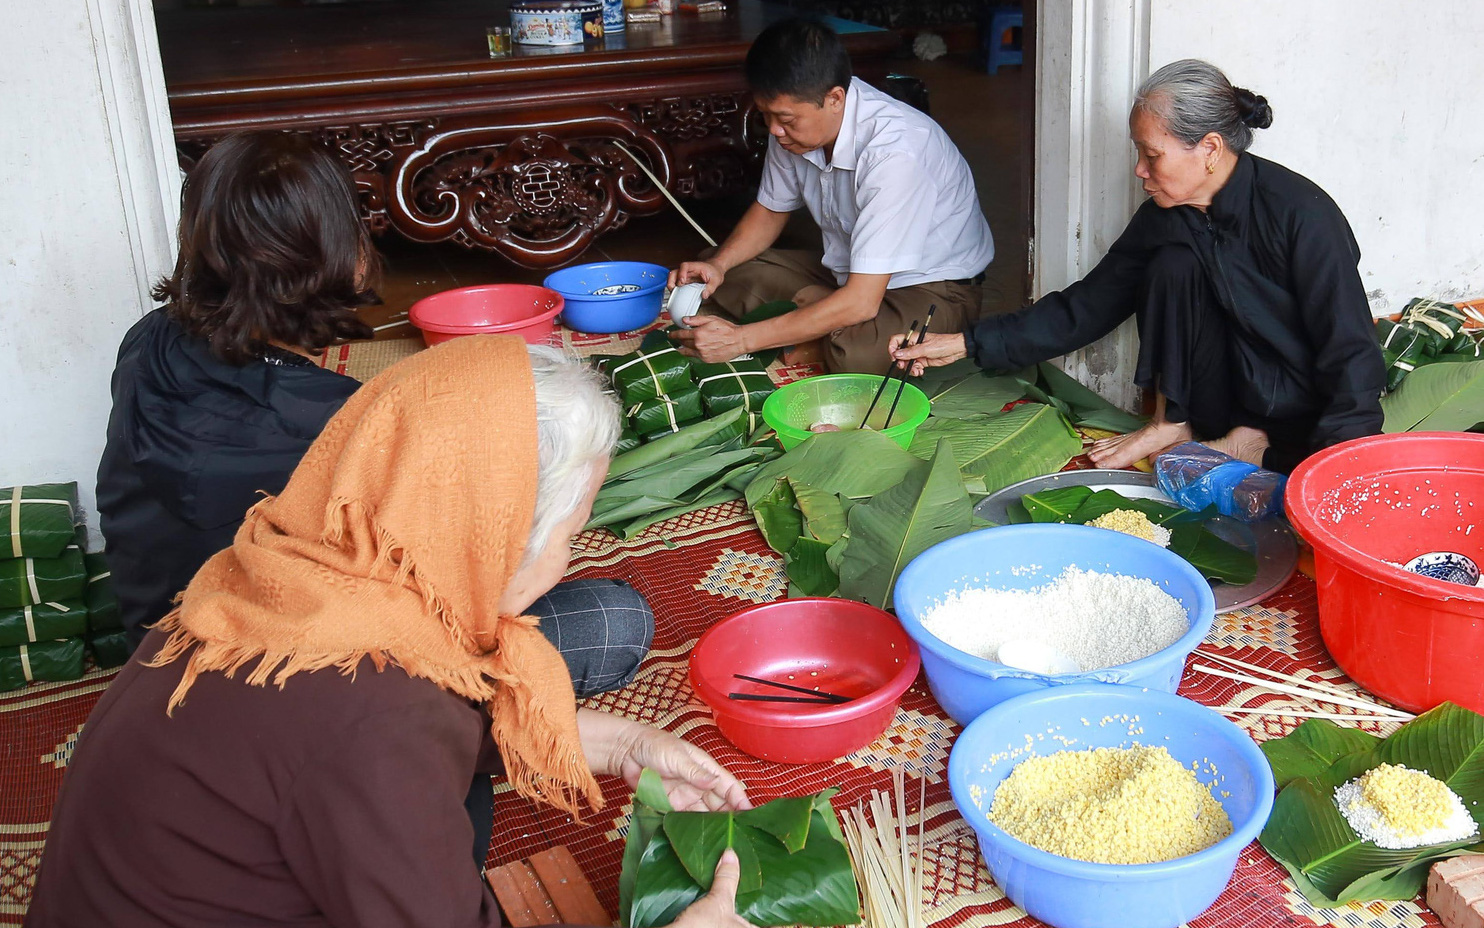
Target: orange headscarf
[(394, 541)]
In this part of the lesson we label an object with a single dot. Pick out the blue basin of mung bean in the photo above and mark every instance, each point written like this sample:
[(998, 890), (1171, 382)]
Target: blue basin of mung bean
[(1070, 893), (610, 296), (1029, 556)]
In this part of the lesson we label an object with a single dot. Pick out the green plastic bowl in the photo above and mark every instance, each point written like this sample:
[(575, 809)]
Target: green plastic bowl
[(842, 399)]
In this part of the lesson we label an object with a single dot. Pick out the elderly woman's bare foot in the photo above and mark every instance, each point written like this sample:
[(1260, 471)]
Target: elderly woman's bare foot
[(1243, 443), (1125, 450)]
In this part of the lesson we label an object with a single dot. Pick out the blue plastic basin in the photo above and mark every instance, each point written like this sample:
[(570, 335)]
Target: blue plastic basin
[(1026, 556), (1069, 893), (589, 309)]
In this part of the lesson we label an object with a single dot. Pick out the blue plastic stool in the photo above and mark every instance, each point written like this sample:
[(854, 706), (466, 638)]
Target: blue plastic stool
[(999, 49)]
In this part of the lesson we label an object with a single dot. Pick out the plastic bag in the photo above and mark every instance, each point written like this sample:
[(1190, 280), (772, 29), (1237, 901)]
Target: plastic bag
[(1198, 477)]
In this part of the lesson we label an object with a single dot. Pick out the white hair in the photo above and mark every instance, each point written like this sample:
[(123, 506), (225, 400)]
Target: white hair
[(1194, 98), (577, 425)]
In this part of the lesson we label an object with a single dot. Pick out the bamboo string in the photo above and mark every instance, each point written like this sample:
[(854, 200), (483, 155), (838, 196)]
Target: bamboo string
[(1296, 691), (1300, 714), (1299, 681)]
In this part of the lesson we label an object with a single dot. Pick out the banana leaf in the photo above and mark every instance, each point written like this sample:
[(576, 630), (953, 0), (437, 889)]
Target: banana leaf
[(856, 464), (1328, 861), (823, 513), (977, 395), (778, 518), (717, 430), (42, 622), (674, 478), (669, 412), (993, 452), (1214, 558), (1437, 397), (795, 869), (808, 569), (1056, 505), (627, 441), (900, 523), (1087, 407), (50, 661), (1312, 748), (1105, 501)]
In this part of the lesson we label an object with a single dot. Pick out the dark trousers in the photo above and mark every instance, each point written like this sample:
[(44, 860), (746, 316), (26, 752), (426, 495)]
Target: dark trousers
[(603, 629), (1187, 351)]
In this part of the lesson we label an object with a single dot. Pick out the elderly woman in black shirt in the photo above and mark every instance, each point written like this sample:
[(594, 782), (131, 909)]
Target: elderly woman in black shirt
[(1254, 327)]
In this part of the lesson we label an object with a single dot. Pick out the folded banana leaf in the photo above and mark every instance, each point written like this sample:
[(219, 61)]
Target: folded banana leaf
[(39, 520), (103, 606), (29, 581), (49, 661), (1439, 322), (1404, 348), (645, 374), (667, 413), (109, 649), (795, 864), (42, 622), (733, 383)]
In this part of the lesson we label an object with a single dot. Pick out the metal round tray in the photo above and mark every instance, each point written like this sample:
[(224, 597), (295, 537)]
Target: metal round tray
[(1271, 541)]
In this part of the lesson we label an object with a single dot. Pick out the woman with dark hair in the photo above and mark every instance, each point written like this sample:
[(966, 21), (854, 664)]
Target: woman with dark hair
[(1254, 328)]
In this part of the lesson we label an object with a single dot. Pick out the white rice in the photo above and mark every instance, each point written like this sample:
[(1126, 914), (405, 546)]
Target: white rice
[(1097, 619), (1371, 824)]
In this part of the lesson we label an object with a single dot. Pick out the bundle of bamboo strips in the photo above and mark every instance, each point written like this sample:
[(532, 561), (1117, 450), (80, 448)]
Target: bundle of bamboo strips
[(881, 852), (1300, 687)]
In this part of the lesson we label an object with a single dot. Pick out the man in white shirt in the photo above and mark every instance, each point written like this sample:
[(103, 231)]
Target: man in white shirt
[(893, 197)]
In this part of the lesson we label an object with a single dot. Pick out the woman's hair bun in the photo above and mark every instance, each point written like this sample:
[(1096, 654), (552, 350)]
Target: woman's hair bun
[(1253, 108)]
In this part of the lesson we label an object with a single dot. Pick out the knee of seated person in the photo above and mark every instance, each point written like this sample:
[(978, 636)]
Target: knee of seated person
[(1175, 263), (630, 633)]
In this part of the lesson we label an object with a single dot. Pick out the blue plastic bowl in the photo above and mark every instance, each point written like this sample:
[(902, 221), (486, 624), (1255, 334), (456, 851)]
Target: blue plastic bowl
[(598, 299), (1026, 556), (1070, 893)]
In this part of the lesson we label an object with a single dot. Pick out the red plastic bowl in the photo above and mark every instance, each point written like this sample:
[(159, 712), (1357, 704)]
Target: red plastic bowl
[(1370, 505), (502, 309), (837, 645)]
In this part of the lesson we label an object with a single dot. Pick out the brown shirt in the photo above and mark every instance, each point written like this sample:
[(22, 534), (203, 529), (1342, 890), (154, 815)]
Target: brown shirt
[(330, 802)]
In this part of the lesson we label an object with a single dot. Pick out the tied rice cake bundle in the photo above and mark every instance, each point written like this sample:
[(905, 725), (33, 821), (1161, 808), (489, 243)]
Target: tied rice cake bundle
[(730, 384), (109, 649), (32, 581), (103, 606), (655, 370), (47, 661), (42, 622), (37, 521), (628, 440), (667, 413)]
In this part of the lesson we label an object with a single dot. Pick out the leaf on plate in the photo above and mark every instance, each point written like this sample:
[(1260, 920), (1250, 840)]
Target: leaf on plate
[(1055, 505), (1214, 558)]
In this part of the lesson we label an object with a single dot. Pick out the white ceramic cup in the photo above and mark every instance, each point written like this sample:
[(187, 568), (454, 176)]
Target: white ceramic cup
[(684, 301)]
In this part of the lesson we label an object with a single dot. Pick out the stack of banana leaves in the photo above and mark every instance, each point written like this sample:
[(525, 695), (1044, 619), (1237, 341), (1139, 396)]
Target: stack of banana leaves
[(849, 510), (704, 464)]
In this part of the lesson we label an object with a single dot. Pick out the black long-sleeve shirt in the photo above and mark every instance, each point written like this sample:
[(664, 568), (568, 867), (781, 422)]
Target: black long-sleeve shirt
[(1282, 262)]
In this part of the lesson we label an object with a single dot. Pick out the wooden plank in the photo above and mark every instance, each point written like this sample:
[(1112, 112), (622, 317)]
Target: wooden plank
[(521, 896), (569, 888)]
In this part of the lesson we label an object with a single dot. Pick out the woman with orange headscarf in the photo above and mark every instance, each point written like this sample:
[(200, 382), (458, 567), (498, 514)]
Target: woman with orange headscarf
[(382, 597)]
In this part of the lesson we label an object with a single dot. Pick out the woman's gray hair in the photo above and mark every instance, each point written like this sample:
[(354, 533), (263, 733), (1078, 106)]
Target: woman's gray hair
[(1193, 99), (577, 425)]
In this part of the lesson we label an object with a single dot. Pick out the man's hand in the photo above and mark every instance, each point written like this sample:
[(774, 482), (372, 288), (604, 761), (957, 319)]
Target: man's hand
[(689, 272), (935, 351), (710, 338), (718, 908)]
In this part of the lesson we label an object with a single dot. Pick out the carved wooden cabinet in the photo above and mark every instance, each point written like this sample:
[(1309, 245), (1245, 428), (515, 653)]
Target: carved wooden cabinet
[(529, 156)]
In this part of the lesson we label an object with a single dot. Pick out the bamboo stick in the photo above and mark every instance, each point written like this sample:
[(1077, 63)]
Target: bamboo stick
[(1299, 714), (1295, 691), (1297, 680)]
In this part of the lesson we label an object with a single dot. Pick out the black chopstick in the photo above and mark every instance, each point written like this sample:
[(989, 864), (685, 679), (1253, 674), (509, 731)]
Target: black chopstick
[(769, 697), (886, 378), (903, 385), (832, 697)]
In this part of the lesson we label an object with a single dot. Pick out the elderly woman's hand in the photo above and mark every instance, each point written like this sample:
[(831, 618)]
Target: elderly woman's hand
[(693, 780), (934, 351)]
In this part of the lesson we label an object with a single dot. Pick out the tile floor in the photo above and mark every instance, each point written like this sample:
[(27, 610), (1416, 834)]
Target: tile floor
[(982, 114)]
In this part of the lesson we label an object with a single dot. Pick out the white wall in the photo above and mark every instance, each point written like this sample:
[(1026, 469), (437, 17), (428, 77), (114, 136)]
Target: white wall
[(1381, 104), (88, 196)]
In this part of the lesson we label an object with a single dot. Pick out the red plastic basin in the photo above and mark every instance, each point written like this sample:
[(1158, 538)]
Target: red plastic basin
[(837, 645), (1370, 505), (503, 309)]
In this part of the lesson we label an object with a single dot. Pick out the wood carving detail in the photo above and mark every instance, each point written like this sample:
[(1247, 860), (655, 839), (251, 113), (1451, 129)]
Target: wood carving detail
[(718, 142), (537, 194)]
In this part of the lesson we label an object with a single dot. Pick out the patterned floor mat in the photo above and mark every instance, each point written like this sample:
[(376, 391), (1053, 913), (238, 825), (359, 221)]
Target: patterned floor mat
[(695, 570)]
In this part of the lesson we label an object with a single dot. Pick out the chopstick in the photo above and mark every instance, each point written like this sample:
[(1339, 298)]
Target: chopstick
[(769, 697), (922, 334), (818, 694), (886, 378)]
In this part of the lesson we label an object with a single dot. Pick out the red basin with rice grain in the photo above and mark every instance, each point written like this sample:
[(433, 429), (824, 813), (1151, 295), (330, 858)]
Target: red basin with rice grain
[(1370, 505)]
